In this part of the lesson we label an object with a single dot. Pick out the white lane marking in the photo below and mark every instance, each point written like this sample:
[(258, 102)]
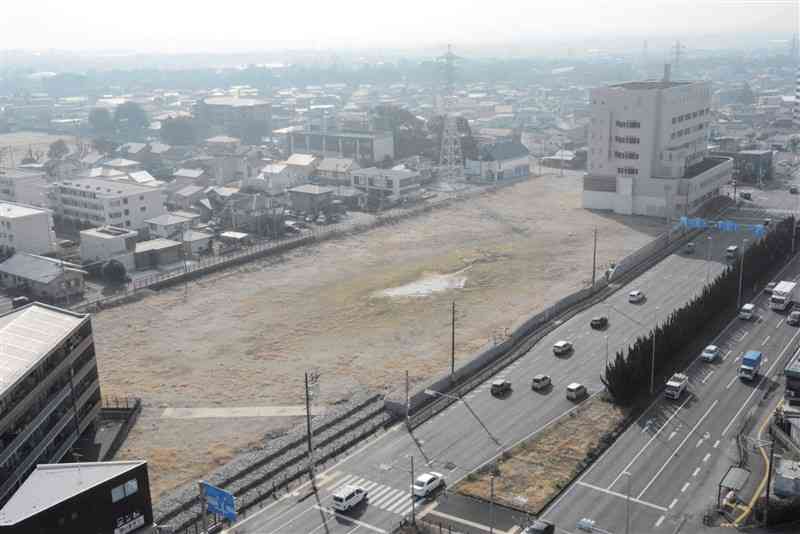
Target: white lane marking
[(673, 503), (779, 323), (758, 386), (389, 496), (399, 504), (369, 485), (347, 518), (716, 444), (343, 481), (621, 496), (292, 520), (394, 500), (374, 496), (694, 473), (627, 467), (707, 377), (672, 435), (660, 520), (684, 488), (706, 457), (734, 379), (726, 355), (699, 442), (744, 335), (675, 453), (765, 341)]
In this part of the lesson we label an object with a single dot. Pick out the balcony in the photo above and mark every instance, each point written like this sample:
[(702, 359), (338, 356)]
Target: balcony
[(20, 408)]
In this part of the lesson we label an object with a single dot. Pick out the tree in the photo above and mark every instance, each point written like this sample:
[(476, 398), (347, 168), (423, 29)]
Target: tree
[(114, 273), (101, 121), (58, 149), (130, 116), (179, 131)]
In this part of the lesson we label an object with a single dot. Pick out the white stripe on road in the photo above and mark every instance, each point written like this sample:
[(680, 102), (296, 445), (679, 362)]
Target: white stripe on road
[(716, 444), (694, 474), (621, 496), (675, 453), (369, 485), (706, 457), (672, 435), (673, 503), (627, 467), (377, 494), (399, 504), (779, 323), (726, 355), (343, 481), (398, 496), (765, 341), (736, 377), (707, 377), (346, 518), (684, 488), (389, 496), (660, 520)]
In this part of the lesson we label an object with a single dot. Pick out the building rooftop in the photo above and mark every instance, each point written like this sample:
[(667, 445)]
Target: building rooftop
[(155, 244), (389, 173), (121, 162), (274, 168), (335, 164), (11, 210), (167, 219), (51, 484), (28, 334), (20, 174), (109, 232), (648, 85), (188, 173), (503, 151), (36, 268), (705, 165), (106, 187), (310, 189), (222, 139), (234, 101), (301, 160), (189, 190)]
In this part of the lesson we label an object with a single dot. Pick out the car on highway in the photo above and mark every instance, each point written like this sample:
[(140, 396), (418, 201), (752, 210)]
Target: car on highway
[(745, 195), (540, 382), (710, 353), (635, 296), (500, 387), (769, 287), (576, 391), (599, 322), (540, 526), (427, 483), (794, 318), (793, 190), (747, 311), (348, 497), (562, 347), (732, 252), (767, 222)]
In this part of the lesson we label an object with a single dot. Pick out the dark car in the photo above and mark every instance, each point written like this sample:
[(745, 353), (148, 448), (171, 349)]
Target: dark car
[(500, 387), (599, 322), (793, 190), (690, 247), (746, 196), (540, 526), (794, 318)]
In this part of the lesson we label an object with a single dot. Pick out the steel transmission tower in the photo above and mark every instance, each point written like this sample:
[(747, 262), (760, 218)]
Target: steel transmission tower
[(450, 159)]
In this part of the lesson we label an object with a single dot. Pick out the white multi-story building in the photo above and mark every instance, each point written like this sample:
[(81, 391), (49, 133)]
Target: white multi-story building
[(26, 228), (101, 202), (109, 243), (648, 149), (24, 186)]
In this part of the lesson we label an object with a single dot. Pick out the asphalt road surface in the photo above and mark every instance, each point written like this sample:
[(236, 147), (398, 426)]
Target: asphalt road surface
[(471, 433), (663, 472)]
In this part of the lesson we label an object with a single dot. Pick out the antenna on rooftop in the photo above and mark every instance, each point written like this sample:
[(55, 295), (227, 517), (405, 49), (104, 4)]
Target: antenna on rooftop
[(677, 51)]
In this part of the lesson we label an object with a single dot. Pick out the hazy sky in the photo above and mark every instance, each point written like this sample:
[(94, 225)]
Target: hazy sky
[(220, 25)]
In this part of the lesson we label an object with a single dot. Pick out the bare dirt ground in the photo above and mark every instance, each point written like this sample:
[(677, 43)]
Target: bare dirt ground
[(243, 337), (536, 470)]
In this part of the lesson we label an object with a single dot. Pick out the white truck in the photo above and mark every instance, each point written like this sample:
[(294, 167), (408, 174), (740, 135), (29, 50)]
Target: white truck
[(676, 385), (782, 295)]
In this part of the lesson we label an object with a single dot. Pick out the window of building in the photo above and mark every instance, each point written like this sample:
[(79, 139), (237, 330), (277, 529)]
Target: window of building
[(124, 200), (127, 212), (141, 197), (143, 208), (127, 223)]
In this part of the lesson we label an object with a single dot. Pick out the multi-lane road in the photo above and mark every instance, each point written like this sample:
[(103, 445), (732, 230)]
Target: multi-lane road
[(470, 433), (663, 472)]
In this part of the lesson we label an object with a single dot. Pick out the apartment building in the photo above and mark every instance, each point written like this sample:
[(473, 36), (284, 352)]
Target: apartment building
[(233, 115), (648, 149), (49, 388), (24, 187), (99, 202), (361, 146), (394, 184), (26, 229), (109, 243)]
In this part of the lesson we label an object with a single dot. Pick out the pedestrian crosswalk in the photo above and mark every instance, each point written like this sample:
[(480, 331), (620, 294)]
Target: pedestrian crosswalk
[(383, 496)]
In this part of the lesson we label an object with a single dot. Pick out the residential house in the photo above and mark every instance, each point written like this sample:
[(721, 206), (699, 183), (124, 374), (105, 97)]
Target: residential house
[(100, 245), (42, 278), (301, 166), (168, 225), (311, 199), (335, 171), (389, 184), (24, 187), (26, 229), (505, 160)]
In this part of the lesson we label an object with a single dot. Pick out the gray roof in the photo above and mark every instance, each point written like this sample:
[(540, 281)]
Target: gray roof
[(103, 187), (155, 244), (389, 173), (51, 484), (335, 164), (28, 334), (189, 190), (189, 173), (166, 219), (233, 101), (503, 151), (35, 268)]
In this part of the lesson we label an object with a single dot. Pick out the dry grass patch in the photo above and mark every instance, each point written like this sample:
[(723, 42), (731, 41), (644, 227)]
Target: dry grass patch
[(529, 475)]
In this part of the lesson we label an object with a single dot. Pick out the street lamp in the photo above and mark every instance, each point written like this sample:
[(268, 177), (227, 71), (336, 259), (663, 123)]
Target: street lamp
[(741, 273), (708, 260), (653, 358)]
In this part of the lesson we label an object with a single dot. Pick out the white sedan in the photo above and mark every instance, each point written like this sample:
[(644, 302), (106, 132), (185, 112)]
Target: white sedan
[(427, 483), (710, 353), (635, 296), (562, 347)]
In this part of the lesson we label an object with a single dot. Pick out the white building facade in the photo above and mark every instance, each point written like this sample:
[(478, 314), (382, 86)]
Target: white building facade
[(101, 202), (26, 228), (24, 187), (108, 243), (648, 149)]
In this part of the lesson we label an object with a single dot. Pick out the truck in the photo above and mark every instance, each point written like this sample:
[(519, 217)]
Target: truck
[(751, 363), (792, 373), (676, 385), (782, 295)]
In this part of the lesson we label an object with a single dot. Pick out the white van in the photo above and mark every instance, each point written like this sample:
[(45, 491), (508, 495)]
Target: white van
[(348, 497), (747, 312), (576, 391)]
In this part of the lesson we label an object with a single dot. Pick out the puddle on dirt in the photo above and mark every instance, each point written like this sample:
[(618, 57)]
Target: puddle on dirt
[(427, 285)]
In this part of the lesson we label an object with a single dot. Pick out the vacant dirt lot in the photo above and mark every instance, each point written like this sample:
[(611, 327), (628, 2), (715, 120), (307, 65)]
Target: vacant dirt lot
[(244, 337), (19, 142), (537, 469)]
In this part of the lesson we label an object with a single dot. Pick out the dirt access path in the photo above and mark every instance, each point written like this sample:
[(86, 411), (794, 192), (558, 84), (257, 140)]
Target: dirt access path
[(243, 337)]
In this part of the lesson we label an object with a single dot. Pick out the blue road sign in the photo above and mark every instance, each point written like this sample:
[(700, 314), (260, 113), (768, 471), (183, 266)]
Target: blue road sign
[(219, 501)]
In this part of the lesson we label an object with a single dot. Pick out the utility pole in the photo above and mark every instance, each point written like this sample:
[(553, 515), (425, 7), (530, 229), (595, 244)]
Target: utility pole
[(769, 479), (594, 258), (491, 520), (708, 260), (203, 506), (413, 514), (408, 402), (453, 342), (308, 432), (606, 350), (653, 360), (741, 274)]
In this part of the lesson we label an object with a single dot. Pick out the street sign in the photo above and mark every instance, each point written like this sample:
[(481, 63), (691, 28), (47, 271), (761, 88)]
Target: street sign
[(219, 501)]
